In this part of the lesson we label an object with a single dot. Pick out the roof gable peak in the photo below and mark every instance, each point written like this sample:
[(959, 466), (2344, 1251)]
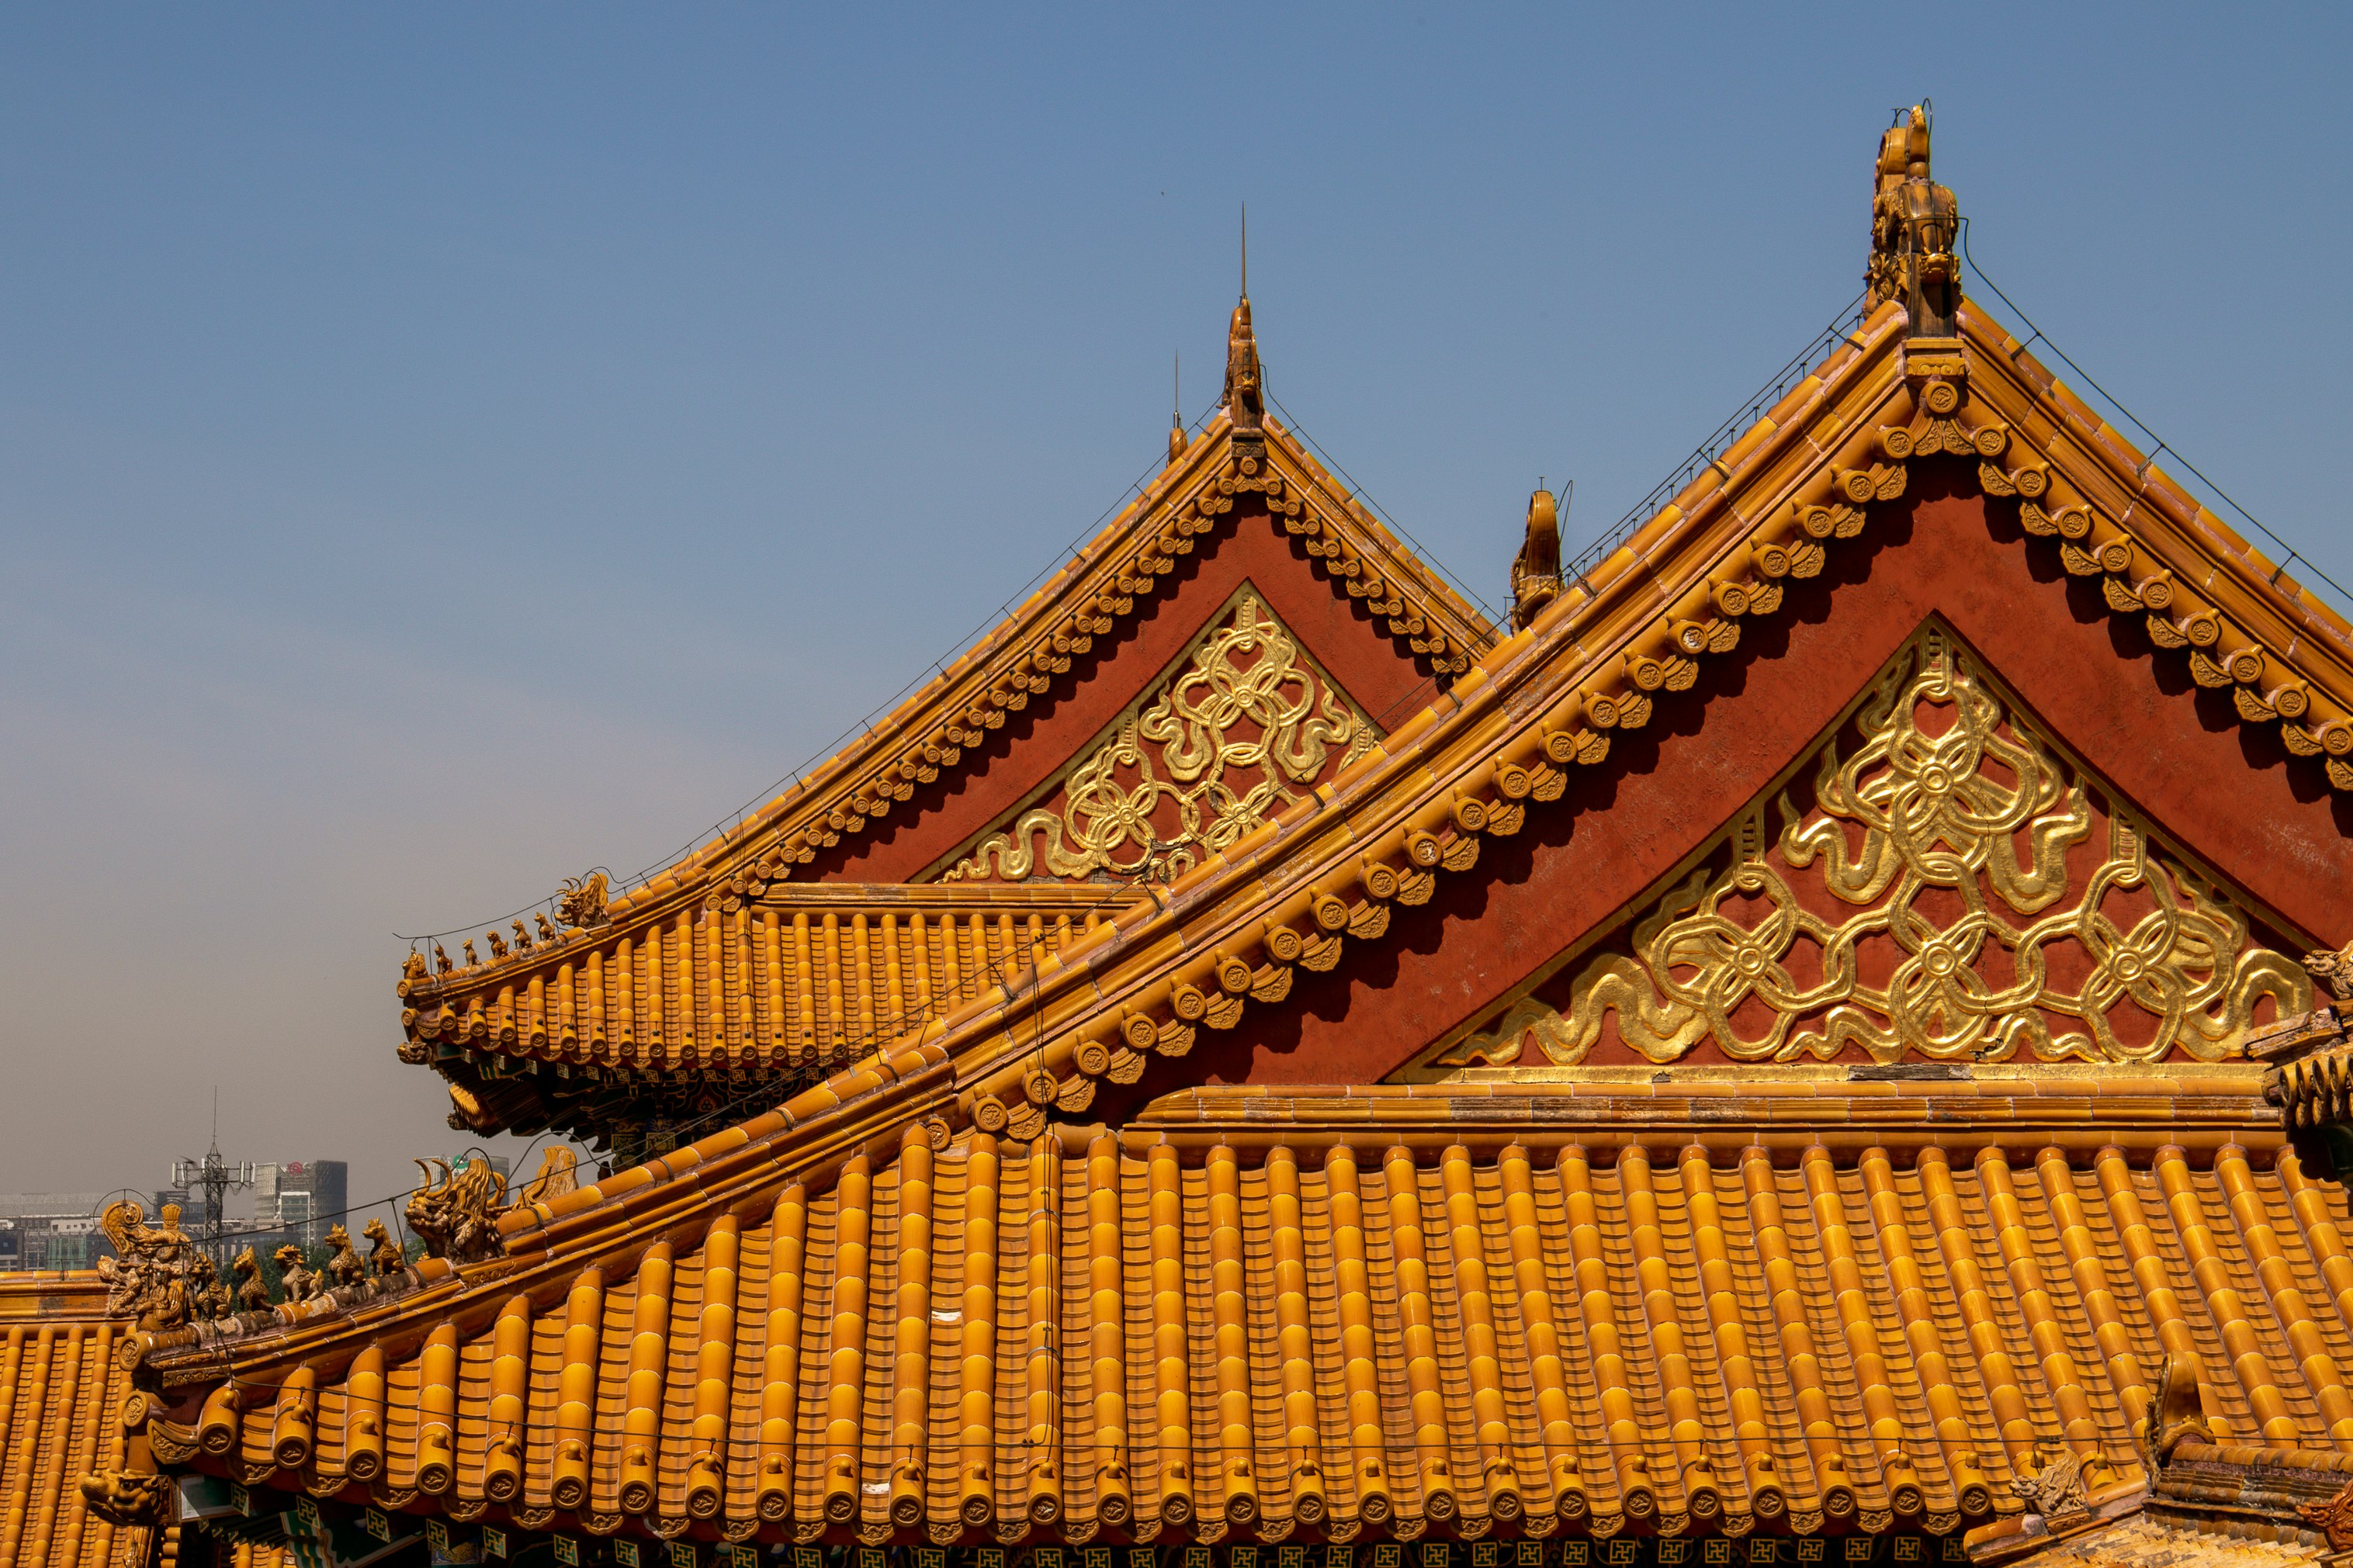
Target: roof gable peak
[(634, 976)]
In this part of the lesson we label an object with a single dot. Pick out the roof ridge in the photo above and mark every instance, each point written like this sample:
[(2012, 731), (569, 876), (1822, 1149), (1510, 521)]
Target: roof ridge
[(2102, 443)]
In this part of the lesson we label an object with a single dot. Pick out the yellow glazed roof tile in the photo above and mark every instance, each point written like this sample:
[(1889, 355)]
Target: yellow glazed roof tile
[(61, 1389), (1911, 1284)]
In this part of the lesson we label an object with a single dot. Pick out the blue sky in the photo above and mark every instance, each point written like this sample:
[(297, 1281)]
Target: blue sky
[(444, 449)]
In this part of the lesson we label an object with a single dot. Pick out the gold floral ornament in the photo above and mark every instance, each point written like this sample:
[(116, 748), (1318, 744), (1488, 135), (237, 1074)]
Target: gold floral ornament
[(1218, 752), (1977, 932)]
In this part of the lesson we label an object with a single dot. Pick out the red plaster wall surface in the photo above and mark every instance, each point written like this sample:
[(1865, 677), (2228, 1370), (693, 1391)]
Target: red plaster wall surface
[(1383, 677), (2224, 790)]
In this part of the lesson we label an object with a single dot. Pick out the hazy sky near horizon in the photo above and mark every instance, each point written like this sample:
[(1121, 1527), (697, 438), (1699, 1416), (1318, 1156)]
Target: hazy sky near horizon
[(444, 449)]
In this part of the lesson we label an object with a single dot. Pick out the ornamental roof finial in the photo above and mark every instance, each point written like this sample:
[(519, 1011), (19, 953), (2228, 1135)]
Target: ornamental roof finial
[(1535, 570), (1915, 224), (1245, 404), (1245, 400), (1178, 440)]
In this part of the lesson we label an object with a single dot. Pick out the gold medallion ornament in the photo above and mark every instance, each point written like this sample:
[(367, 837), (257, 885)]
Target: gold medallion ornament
[(2001, 904), (1246, 728)]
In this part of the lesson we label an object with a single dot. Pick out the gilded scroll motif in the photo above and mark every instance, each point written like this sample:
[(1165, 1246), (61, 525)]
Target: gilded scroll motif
[(1218, 752), (1993, 914)]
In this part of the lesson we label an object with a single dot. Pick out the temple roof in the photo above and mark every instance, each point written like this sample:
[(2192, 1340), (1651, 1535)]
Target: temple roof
[(1602, 658), (929, 1298), (1596, 660), (2064, 1232), (832, 968), (2173, 1179), (543, 998)]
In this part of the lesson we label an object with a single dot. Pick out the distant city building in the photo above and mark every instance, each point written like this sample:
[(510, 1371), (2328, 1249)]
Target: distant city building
[(300, 1199), (74, 1242), (50, 1230)]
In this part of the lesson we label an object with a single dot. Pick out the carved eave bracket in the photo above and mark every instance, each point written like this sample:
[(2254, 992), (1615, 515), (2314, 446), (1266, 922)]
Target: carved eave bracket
[(2334, 1520), (127, 1499), (1927, 361)]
